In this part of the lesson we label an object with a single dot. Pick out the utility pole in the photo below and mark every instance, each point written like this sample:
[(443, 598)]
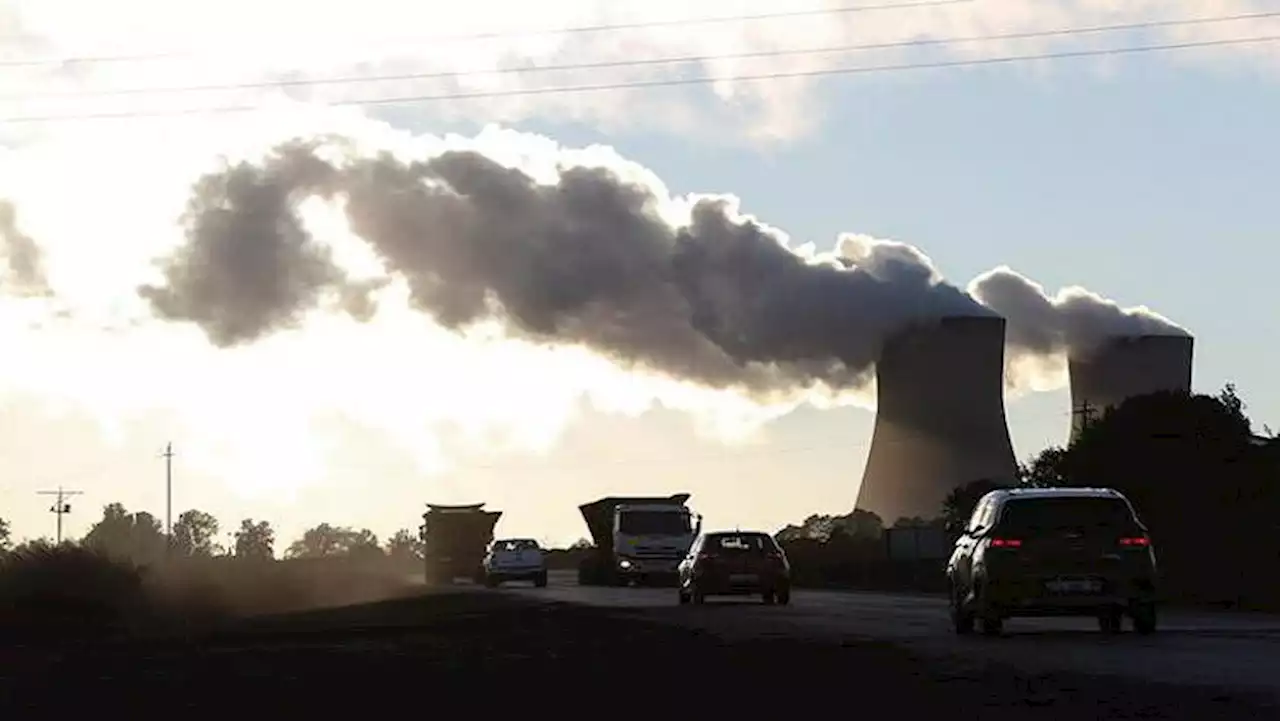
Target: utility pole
[(60, 505), (168, 497), (1085, 411)]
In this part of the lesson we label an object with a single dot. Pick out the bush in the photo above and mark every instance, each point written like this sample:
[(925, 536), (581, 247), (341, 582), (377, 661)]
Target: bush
[(59, 591), (51, 593)]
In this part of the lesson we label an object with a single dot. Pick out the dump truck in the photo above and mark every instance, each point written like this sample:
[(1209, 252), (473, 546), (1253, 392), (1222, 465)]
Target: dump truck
[(637, 539), (455, 540)]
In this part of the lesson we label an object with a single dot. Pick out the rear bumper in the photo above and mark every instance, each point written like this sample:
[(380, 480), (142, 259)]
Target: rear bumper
[(516, 572), (642, 567), (725, 585), (1031, 597)]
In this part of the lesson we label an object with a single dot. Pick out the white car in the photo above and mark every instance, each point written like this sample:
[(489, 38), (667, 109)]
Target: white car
[(515, 559)]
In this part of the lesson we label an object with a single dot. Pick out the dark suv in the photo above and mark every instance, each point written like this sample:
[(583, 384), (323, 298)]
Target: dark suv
[(1053, 552)]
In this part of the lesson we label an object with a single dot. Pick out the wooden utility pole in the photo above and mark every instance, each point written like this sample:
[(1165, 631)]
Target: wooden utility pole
[(1086, 412), (60, 506)]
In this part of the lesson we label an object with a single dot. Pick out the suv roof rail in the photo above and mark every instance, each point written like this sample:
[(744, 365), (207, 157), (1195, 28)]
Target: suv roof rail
[(1061, 490)]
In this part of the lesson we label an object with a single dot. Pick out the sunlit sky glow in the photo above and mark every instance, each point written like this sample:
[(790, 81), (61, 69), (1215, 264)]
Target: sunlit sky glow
[(361, 423)]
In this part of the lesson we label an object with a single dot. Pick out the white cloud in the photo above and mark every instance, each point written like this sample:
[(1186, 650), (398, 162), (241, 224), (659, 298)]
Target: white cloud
[(234, 42)]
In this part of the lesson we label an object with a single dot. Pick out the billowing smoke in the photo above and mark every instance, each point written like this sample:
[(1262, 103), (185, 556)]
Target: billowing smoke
[(1043, 330), (23, 271), (595, 257)]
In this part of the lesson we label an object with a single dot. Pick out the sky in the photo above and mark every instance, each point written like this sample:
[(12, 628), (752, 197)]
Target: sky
[(1138, 175)]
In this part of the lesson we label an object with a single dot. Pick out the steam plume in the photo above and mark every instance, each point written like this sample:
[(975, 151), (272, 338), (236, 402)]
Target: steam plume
[(1074, 322), (590, 257), (24, 274)]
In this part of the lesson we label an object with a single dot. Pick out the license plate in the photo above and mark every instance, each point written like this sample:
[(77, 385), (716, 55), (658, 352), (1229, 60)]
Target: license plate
[(1073, 585), (743, 578)]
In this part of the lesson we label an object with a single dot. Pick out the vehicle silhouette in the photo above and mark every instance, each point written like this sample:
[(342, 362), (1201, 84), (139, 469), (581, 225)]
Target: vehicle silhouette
[(735, 563), (1053, 552)]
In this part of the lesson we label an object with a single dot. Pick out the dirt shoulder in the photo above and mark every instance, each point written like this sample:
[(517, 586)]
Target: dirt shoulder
[(498, 650)]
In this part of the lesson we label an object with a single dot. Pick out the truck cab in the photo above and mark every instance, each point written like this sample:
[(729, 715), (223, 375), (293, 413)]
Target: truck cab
[(638, 540)]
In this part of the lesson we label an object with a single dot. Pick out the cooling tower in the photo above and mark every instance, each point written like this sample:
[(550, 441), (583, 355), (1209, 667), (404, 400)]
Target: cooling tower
[(1125, 367), (940, 419)]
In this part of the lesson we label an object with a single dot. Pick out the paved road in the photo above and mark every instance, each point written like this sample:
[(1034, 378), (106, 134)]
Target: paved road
[(1216, 649)]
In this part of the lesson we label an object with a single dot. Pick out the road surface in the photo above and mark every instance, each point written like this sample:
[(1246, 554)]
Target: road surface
[(1227, 650)]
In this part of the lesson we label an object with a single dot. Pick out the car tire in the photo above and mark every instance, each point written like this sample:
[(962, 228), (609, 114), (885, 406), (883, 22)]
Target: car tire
[(1144, 618), (699, 598), (992, 624), (768, 598), (684, 597), (990, 618), (540, 580), (962, 619), (784, 597), (1111, 621)]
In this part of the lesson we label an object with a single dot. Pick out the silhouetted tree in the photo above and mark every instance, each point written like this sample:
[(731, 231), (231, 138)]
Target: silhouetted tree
[(1045, 469), (1232, 404), (858, 523), (255, 540), (35, 545), (363, 545), (5, 538), (580, 544), (194, 534), (120, 534), (405, 547), (960, 503), (325, 540)]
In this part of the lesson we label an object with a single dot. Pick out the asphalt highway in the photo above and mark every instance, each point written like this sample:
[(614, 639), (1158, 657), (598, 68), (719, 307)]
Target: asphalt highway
[(1222, 650)]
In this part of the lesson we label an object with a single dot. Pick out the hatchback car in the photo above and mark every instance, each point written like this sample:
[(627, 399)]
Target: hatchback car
[(735, 563), (1053, 552)]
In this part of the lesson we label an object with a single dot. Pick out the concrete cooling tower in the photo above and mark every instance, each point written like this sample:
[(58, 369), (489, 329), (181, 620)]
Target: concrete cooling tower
[(1125, 367), (940, 419)]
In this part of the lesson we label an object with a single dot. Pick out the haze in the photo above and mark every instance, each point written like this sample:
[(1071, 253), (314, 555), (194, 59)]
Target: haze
[(312, 361)]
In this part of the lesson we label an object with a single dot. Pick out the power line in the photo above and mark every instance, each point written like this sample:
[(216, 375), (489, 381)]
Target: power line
[(672, 82), (1086, 413), (647, 62), (578, 30)]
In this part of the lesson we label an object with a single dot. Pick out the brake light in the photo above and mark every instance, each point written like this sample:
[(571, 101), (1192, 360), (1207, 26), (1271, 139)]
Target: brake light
[(1006, 543), (1135, 541)]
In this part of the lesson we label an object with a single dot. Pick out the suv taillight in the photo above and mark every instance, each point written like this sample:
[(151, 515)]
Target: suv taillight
[(1135, 541), (1006, 543)]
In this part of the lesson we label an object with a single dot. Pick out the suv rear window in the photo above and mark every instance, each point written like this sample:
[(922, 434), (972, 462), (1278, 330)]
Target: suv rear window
[(1033, 514), (515, 546), (740, 543)]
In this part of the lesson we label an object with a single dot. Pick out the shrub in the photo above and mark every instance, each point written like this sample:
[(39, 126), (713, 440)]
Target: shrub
[(60, 591)]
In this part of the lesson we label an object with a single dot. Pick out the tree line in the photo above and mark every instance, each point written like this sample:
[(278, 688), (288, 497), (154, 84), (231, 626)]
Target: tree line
[(139, 537)]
